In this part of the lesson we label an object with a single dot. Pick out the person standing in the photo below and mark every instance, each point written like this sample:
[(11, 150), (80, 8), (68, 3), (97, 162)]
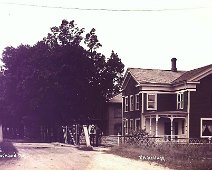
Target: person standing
[(92, 133), (98, 136)]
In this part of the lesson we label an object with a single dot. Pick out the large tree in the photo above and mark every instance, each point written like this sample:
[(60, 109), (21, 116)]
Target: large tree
[(61, 78)]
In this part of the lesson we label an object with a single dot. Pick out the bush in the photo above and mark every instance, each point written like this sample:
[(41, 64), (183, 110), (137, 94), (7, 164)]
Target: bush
[(138, 137)]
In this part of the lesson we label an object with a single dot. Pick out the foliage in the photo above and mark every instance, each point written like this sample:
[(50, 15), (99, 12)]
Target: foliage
[(138, 137), (62, 77)]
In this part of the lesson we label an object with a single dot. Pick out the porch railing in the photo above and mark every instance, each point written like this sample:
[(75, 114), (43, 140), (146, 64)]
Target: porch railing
[(174, 138)]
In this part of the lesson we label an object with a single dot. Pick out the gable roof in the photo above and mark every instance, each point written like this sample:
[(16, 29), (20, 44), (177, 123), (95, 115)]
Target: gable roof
[(192, 73), (154, 75), (116, 99)]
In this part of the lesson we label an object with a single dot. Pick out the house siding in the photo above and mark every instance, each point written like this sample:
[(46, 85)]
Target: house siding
[(166, 102), (200, 105), (131, 89), (185, 108), (145, 102), (132, 115), (114, 117)]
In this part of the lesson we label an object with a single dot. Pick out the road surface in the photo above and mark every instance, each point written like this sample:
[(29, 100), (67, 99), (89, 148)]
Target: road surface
[(37, 156)]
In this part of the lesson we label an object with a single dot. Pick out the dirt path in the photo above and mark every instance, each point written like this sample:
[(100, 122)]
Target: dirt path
[(56, 157)]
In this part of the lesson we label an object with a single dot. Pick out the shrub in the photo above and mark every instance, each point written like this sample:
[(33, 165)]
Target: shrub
[(138, 137)]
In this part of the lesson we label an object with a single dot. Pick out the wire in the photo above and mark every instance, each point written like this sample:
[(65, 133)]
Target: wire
[(102, 9)]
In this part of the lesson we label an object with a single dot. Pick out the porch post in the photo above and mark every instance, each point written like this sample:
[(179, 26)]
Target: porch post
[(150, 125), (186, 129), (156, 127), (144, 125), (143, 118), (122, 116), (188, 117), (171, 126), (1, 133)]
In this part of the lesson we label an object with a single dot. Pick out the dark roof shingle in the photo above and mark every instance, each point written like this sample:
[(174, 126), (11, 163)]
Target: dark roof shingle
[(154, 75), (189, 74)]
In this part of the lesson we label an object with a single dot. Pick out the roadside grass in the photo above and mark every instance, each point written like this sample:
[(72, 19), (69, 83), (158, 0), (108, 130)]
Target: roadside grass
[(7, 151), (173, 156)]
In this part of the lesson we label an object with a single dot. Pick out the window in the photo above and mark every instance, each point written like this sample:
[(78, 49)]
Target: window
[(131, 124), (151, 102), (206, 127), (183, 126), (180, 101), (137, 102), (137, 124), (126, 104), (126, 126), (131, 103)]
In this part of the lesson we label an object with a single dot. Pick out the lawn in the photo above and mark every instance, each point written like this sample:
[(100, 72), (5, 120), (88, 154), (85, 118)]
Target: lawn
[(174, 156)]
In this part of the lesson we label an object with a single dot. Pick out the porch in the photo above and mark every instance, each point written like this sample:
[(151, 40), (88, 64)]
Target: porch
[(168, 126)]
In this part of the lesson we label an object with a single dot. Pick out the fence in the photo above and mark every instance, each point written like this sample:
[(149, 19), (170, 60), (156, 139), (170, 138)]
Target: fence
[(114, 140)]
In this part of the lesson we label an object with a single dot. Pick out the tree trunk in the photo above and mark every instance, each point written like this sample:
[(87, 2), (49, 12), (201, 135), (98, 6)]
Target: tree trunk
[(1, 133)]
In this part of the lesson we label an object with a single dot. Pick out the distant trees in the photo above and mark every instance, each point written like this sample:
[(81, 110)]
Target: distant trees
[(60, 78)]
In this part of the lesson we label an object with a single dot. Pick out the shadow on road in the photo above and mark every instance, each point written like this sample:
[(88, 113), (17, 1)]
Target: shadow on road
[(8, 151), (85, 148)]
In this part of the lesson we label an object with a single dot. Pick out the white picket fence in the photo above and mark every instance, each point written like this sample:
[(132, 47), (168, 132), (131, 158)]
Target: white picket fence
[(114, 140)]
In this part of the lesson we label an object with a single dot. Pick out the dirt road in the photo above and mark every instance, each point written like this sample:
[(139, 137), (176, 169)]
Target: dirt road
[(56, 157)]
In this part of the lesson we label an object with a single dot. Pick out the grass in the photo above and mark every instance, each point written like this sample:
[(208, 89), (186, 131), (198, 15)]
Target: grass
[(174, 156)]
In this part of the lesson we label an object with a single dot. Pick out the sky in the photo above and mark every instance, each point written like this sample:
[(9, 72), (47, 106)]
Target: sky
[(144, 33)]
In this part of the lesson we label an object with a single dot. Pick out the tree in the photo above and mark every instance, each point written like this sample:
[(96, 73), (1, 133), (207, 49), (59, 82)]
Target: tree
[(61, 78)]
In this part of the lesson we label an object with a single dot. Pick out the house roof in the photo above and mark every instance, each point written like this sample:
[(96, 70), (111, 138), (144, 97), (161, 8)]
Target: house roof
[(116, 99), (192, 73), (166, 76), (154, 75)]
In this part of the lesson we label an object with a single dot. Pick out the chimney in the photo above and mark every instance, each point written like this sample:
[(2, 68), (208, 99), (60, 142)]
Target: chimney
[(174, 68)]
